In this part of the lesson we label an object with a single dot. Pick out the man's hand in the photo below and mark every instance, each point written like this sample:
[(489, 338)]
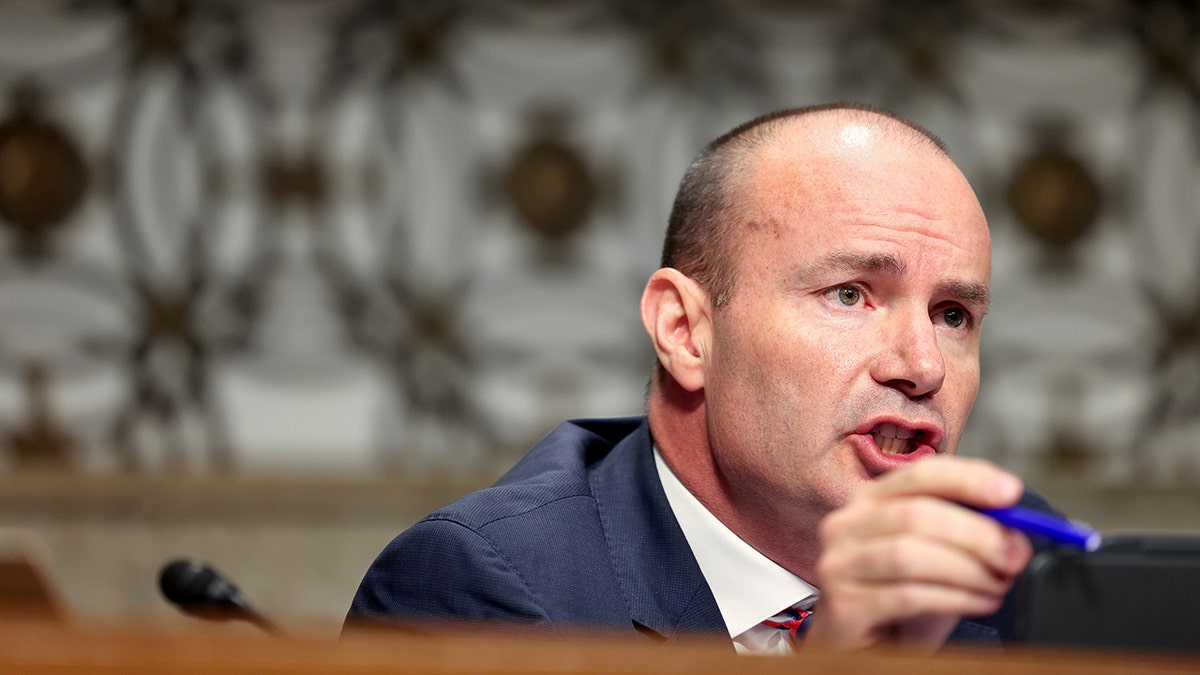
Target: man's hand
[(904, 560)]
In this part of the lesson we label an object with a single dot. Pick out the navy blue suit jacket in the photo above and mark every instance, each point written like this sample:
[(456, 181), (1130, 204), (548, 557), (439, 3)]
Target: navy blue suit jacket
[(579, 533)]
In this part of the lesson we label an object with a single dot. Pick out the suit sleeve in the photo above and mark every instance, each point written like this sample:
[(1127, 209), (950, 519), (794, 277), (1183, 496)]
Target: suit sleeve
[(439, 570)]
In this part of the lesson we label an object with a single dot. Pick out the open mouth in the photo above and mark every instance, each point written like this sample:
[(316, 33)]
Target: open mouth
[(894, 440)]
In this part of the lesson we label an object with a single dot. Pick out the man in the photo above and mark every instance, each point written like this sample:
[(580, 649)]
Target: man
[(817, 322)]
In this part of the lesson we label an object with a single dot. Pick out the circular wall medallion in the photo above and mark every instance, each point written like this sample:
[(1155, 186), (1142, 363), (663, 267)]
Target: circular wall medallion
[(1054, 197), (550, 187), (42, 174)]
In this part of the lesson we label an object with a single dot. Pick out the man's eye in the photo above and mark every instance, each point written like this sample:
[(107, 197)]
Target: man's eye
[(849, 295), (955, 317)]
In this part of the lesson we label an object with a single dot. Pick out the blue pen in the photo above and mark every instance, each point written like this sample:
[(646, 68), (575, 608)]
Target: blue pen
[(1059, 530)]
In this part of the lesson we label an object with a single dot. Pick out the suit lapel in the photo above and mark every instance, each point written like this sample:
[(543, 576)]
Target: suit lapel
[(662, 583)]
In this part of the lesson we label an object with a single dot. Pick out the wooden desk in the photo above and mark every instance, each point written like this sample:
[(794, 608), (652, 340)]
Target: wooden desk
[(42, 647)]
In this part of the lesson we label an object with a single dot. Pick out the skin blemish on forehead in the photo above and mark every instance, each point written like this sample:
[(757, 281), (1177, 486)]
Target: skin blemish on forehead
[(771, 225)]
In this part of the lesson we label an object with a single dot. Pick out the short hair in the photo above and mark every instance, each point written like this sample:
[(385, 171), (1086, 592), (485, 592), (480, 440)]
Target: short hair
[(699, 240)]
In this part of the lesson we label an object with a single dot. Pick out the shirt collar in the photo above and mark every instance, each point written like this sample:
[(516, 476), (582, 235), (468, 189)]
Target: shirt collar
[(748, 586)]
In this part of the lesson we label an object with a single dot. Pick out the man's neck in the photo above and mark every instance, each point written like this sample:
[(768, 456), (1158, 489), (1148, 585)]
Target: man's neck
[(787, 536)]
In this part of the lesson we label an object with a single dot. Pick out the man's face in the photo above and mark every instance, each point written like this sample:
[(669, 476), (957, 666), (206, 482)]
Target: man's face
[(850, 344)]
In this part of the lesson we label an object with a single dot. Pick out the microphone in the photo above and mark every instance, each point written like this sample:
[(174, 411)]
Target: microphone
[(199, 590)]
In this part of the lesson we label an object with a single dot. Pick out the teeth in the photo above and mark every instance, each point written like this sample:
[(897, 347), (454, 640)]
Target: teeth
[(893, 431), (892, 439), (891, 445)]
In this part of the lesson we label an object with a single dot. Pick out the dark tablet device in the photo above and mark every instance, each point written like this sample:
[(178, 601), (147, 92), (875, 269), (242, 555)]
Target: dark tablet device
[(1140, 592)]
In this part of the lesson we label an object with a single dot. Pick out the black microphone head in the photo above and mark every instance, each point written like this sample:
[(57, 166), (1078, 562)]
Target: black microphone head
[(196, 587), (199, 590)]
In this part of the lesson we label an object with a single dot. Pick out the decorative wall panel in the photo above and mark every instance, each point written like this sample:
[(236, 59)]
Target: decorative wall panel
[(345, 236)]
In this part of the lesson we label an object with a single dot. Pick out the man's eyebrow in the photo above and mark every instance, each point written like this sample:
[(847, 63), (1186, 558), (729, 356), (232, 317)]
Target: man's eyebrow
[(854, 261), (967, 293)]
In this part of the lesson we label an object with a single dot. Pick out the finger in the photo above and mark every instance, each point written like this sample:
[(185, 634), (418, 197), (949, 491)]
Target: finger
[(933, 520), (911, 559), (975, 482), (860, 615), (881, 604)]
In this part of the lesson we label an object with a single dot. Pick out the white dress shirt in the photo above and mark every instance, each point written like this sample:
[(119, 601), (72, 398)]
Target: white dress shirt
[(748, 587)]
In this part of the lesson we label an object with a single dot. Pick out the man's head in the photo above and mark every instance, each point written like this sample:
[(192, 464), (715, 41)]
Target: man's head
[(817, 318), (701, 235)]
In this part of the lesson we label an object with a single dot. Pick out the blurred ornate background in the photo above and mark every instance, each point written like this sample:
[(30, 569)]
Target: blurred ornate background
[(277, 276)]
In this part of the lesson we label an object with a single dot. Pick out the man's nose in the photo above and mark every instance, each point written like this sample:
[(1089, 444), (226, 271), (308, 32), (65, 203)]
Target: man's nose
[(910, 359)]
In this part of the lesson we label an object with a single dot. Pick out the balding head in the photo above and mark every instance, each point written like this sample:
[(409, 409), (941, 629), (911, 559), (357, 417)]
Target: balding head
[(817, 320), (701, 232)]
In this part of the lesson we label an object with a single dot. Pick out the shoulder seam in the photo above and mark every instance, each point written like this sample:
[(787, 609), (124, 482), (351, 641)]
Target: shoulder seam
[(443, 514), (500, 554)]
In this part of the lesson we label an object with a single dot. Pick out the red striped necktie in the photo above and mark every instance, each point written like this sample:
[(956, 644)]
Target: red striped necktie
[(794, 621)]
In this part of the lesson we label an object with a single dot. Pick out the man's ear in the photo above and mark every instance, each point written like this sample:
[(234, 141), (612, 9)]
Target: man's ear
[(676, 314)]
